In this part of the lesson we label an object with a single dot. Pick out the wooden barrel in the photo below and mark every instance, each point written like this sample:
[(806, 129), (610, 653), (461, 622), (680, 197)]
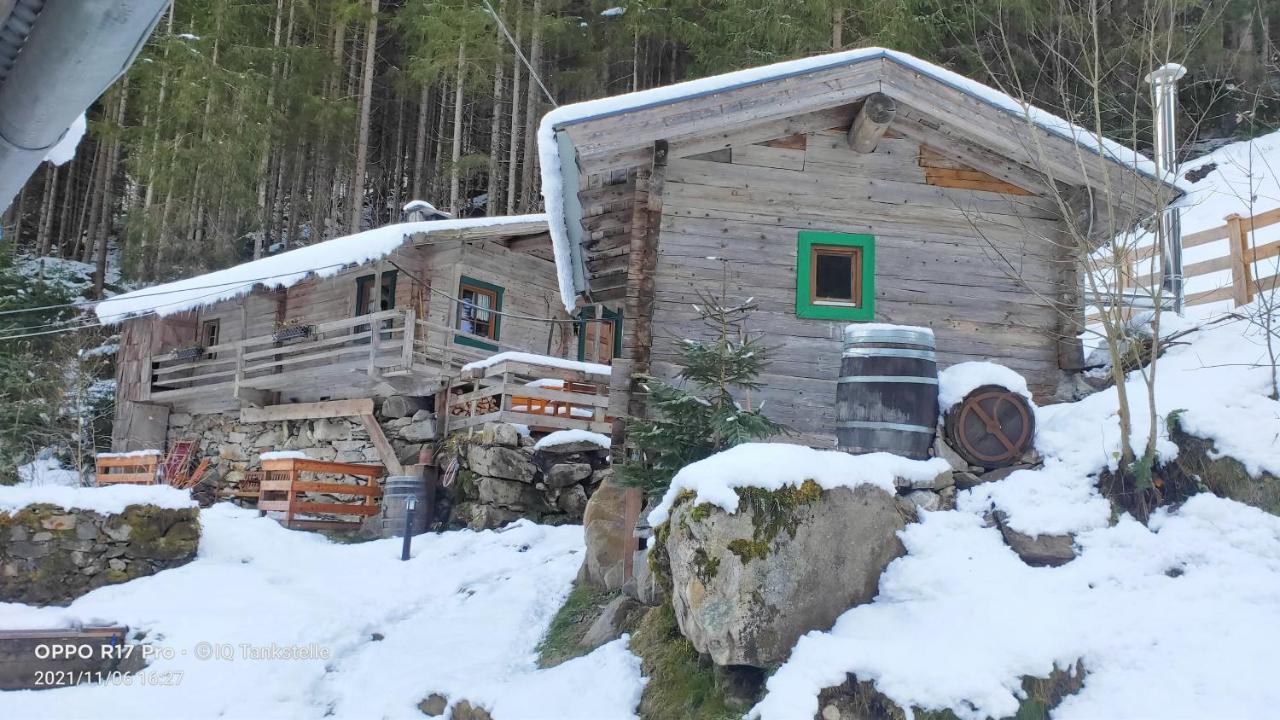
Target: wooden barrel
[(395, 492), (887, 395)]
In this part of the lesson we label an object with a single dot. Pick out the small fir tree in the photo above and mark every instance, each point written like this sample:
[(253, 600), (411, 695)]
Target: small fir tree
[(701, 416)]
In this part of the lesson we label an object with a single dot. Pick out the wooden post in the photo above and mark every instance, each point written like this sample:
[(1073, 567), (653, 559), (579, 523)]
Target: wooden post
[(1241, 282), (877, 111), (410, 327), (239, 377), (375, 343)]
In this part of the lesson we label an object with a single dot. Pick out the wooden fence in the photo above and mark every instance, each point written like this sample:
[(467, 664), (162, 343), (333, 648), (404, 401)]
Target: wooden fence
[(1242, 261)]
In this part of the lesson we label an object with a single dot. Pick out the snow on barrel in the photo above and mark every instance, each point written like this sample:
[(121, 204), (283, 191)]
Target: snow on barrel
[(887, 395)]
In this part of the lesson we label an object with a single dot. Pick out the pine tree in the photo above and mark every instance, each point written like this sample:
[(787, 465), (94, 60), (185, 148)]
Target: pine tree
[(696, 422)]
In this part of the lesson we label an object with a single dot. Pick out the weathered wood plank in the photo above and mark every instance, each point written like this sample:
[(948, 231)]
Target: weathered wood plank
[(308, 411)]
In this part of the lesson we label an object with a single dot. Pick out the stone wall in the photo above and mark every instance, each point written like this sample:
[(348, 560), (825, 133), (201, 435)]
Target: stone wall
[(50, 555), (234, 447), (503, 478)]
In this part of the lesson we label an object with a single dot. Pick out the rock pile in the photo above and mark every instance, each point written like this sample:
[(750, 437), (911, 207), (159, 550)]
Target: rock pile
[(234, 447), (50, 555), (504, 477)]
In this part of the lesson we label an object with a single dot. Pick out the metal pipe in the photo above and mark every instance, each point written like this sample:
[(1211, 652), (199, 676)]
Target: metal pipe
[(410, 504), (1164, 101)]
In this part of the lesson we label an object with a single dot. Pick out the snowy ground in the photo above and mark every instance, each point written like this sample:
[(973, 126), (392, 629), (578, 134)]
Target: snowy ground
[(1174, 620), (461, 618)]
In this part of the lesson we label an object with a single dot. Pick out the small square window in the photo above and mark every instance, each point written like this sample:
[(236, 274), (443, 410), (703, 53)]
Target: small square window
[(479, 313), (835, 276)]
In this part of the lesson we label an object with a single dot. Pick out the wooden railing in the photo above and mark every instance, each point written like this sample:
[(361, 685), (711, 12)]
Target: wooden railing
[(1242, 260), (541, 396), (381, 341)]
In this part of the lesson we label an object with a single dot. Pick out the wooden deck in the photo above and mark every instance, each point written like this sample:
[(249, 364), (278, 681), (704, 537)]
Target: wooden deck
[(350, 356)]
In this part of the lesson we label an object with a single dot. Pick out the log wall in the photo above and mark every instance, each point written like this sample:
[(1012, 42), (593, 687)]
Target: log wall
[(979, 267)]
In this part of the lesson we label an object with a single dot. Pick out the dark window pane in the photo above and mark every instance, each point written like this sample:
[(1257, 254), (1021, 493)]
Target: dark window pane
[(833, 276)]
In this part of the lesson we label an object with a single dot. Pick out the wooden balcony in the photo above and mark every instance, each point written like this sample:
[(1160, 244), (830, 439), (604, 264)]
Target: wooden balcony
[(541, 396), (341, 358)]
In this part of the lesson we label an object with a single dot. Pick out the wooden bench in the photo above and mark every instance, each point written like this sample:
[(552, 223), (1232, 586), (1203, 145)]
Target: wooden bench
[(135, 468)]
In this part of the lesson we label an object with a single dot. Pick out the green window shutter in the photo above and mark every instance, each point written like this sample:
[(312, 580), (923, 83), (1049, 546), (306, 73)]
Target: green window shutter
[(498, 292), (864, 246)]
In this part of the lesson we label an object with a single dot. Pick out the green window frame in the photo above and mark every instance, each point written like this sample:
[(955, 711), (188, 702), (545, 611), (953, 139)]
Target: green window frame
[(589, 313), (862, 252), (495, 333)]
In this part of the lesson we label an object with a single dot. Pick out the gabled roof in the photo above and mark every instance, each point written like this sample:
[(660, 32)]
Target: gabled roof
[(578, 137), (323, 259)]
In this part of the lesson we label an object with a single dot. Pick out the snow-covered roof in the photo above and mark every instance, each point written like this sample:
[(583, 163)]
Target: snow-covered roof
[(289, 268), (559, 171)]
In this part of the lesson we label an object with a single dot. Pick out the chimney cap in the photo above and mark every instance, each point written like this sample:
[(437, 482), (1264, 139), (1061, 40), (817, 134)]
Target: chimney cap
[(1167, 73)]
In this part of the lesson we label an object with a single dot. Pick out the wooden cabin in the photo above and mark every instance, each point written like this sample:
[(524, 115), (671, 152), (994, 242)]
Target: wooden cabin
[(392, 311), (855, 187)]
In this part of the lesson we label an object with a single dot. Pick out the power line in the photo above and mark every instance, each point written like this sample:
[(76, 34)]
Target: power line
[(516, 46)]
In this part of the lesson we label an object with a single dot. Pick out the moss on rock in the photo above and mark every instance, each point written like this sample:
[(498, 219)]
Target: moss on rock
[(860, 700), (681, 683)]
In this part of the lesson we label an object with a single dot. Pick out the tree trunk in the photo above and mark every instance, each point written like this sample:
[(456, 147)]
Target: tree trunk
[(420, 143), (437, 160), (528, 190), (64, 217), (366, 103), (513, 154), (495, 127), (456, 155), (46, 210), (95, 208), (837, 29)]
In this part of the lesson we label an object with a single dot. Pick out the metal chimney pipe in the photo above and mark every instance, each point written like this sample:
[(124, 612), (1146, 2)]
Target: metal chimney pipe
[(1164, 101)]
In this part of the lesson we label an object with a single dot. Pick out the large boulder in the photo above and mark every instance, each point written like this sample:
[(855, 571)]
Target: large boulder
[(501, 462), (401, 406), (510, 494), (609, 535), (747, 585)]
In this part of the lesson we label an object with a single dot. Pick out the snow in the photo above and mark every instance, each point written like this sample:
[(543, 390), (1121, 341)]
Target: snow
[(65, 149), (47, 470), (106, 500), (283, 455), (553, 182), (1245, 181), (889, 326), (564, 437), (131, 453), (461, 617), (286, 269), (773, 466), (613, 12), (959, 380), (533, 359), (960, 619)]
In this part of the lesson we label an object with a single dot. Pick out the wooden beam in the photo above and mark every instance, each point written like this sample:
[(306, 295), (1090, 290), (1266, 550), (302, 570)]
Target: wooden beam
[(385, 451), (308, 411), (877, 112)]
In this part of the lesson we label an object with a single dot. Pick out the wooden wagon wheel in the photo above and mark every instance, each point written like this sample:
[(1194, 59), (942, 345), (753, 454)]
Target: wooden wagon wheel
[(992, 427)]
